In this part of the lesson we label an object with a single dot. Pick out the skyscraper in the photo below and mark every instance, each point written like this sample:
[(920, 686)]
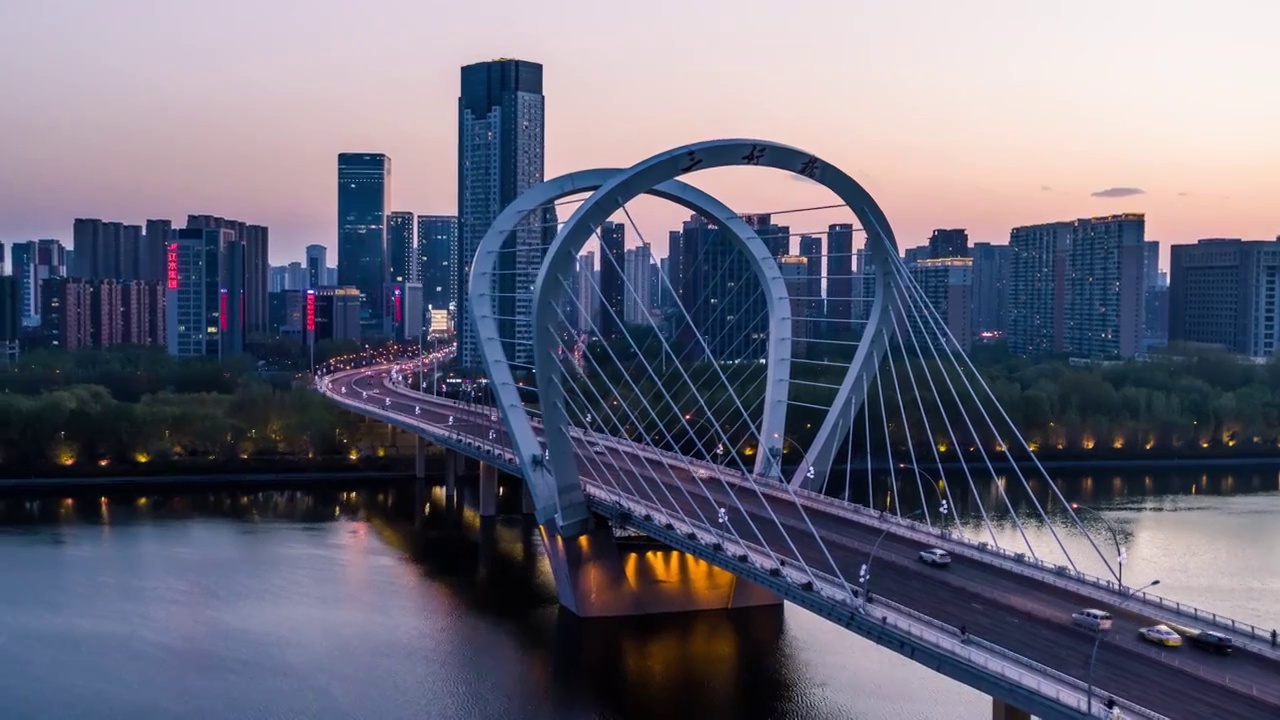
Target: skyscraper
[(402, 256), (587, 296), (500, 155), (251, 259), (364, 192), (951, 243), (200, 318), (639, 278), (1106, 287), (990, 287), (811, 251), (317, 257), (155, 241), (437, 247), (840, 277), (613, 291), (24, 271), (1037, 288), (727, 313)]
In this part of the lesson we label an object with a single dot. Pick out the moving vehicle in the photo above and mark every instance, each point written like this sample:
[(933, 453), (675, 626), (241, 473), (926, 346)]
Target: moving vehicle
[(935, 556), (598, 449), (1092, 619), (1161, 635), (702, 474), (1213, 642)]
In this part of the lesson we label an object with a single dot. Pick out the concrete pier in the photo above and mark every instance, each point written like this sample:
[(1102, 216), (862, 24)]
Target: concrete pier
[(488, 490)]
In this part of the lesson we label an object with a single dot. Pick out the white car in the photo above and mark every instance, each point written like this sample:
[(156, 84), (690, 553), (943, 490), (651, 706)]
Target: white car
[(934, 556), (702, 474), (1161, 635), (598, 449)]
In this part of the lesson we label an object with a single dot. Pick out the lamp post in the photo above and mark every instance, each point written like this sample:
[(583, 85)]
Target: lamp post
[(944, 506), (864, 573), (1121, 555), (1093, 656)]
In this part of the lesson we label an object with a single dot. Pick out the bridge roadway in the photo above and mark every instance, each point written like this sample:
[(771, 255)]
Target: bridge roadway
[(1023, 616)]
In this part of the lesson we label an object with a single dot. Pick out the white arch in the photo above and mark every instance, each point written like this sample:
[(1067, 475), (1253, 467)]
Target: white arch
[(672, 164), (555, 487)]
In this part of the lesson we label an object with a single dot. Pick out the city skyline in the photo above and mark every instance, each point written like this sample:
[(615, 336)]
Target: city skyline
[(1036, 140)]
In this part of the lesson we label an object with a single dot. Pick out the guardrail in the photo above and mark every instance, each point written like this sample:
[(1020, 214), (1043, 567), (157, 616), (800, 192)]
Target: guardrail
[(1063, 689)]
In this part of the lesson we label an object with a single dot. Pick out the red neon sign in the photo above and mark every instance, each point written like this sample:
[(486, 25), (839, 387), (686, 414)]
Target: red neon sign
[(396, 301), (311, 311), (173, 266), (222, 308)]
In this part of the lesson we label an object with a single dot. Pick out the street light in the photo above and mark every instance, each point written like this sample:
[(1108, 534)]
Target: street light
[(1121, 555), (864, 573), (943, 505)]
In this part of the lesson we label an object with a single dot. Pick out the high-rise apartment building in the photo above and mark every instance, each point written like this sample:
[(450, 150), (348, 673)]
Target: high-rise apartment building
[(953, 243), (727, 315), (437, 250), (1226, 292), (638, 267), (587, 296), (317, 257), (10, 310), (66, 313), (795, 271), (364, 194), (1038, 257), (613, 290), (277, 279), (402, 256), (811, 251), (840, 285), (151, 257), (990, 288), (296, 277), (947, 285), (200, 317), (1106, 287), (500, 155), (24, 272)]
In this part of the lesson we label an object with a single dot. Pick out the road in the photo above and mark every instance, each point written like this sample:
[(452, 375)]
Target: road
[(1029, 618)]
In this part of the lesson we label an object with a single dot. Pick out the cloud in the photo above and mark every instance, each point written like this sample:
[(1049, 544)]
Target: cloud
[(1046, 188), (1118, 192), (1184, 194)]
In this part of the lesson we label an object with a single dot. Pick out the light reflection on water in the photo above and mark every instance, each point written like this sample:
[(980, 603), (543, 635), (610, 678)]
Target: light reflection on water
[(287, 605)]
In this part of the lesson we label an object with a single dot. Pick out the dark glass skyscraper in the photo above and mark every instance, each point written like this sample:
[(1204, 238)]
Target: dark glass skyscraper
[(364, 187), (401, 255), (613, 249), (500, 155), (437, 245)]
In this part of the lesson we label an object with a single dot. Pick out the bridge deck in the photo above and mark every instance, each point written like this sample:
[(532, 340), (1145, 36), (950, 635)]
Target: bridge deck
[(1026, 617)]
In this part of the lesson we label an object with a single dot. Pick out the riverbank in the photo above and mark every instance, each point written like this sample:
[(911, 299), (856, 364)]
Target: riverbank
[(188, 484)]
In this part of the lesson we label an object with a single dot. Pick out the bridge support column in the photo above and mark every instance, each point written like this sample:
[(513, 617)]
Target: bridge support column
[(488, 490), (527, 506), (1001, 710), (599, 576), (419, 457), (452, 459)]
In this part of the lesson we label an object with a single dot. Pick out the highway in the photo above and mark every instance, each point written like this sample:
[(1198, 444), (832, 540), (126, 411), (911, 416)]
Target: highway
[(1029, 618)]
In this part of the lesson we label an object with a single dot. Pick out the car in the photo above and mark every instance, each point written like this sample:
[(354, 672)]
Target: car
[(598, 449), (1161, 635), (1213, 642), (935, 556), (702, 474), (1092, 619)]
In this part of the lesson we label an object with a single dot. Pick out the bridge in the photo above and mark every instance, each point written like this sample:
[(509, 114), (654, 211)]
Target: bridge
[(811, 456)]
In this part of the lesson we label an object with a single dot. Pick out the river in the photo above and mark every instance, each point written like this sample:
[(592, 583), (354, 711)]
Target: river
[(291, 605)]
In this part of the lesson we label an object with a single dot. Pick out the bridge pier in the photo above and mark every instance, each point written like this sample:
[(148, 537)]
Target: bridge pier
[(488, 490), (419, 457), (452, 467), (1001, 710), (599, 576)]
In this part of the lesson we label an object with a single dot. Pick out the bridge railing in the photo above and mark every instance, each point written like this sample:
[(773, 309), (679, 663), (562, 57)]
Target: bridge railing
[(1018, 563), (1062, 688)]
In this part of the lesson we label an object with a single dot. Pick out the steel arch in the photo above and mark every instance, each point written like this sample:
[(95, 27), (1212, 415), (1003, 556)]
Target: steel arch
[(555, 486), (665, 167)]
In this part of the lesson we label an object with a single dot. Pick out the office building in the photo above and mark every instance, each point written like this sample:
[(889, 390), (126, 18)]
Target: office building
[(286, 314), (1106, 287), (296, 277), (777, 238), (200, 317), (405, 309), (990, 289), (24, 272), (338, 312), (364, 193), (277, 280), (811, 251), (1155, 299), (500, 155), (1038, 257), (437, 248), (317, 259), (613, 290), (402, 256), (250, 258), (1226, 292)]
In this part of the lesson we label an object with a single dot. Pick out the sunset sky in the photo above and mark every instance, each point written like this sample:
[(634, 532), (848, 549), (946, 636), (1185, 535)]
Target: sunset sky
[(982, 114)]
